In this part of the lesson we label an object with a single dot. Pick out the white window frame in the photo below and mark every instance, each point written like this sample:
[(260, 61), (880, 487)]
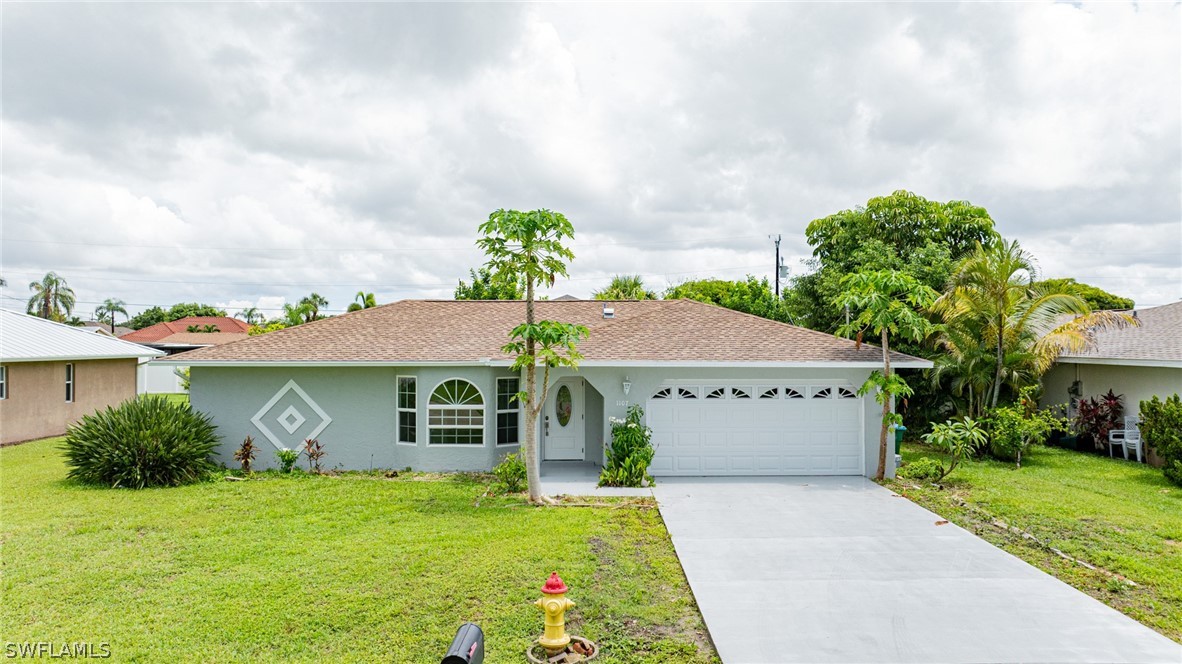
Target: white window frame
[(3, 382), (400, 410), (70, 380), (445, 407), (515, 409)]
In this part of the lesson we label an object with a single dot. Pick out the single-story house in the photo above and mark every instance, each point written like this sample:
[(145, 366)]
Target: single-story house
[(1139, 362), (53, 374), (425, 384)]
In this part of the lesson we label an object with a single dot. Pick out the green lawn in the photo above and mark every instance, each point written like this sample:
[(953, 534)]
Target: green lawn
[(355, 568), (1119, 516), (175, 398)]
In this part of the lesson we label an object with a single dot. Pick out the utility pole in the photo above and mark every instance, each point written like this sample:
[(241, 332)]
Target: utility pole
[(776, 239)]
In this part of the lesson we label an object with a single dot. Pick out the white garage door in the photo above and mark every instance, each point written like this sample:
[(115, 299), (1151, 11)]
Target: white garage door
[(756, 430)]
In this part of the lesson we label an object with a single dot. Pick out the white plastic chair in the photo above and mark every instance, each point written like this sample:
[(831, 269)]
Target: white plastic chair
[(1128, 438)]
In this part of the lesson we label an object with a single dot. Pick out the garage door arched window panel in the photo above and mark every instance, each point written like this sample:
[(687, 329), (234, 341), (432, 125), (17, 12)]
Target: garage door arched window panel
[(822, 392), (769, 393), (740, 393), (846, 393), (792, 393), (455, 414), (663, 393), (716, 393), (687, 393)]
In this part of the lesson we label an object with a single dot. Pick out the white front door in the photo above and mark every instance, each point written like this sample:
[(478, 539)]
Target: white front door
[(562, 421)]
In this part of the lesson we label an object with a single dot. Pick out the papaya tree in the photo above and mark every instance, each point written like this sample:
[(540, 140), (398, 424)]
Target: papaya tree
[(530, 246), (888, 303)]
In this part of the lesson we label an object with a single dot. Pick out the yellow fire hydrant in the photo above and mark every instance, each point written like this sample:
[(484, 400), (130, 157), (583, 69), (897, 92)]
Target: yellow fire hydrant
[(555, 604)]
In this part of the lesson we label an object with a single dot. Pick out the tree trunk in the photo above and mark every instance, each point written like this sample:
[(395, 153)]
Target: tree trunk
[(1000, 366), (886, 409), (532, 407)]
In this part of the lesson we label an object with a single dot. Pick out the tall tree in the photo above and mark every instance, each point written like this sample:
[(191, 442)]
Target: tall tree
[(625, 287), (888, 303), (250, 316), (106, 311), (154, 315), (752, 296), (52, 298), (902, 231), (297, 314), (312, 304), (489, 285), (531, 245), (1024, 327), (363, 300), (1097, 298)]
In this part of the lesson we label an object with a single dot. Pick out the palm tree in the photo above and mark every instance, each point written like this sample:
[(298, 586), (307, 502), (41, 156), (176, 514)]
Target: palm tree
[(296, 314), (363, 301), (107, 310), (250, 315), (625, 287), (52, 298), (1022, 326), (313, 303)]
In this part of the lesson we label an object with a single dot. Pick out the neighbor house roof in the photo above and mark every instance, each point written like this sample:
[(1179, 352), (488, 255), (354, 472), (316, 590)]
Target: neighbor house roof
[(225, 324), (25, 338), (104, 328), (470, 332), (1157, 341), (200, 338)]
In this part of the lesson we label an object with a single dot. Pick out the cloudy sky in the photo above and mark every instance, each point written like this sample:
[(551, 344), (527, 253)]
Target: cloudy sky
[(248, 153)]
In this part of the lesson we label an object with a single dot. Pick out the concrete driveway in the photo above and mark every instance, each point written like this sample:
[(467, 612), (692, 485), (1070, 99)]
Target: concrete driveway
[(843, 570)]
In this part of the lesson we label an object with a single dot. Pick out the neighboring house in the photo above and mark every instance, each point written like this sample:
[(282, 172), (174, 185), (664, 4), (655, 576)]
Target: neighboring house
[(174, 337), (52, 374), (1139, 362), (105, 328), (424, 384)]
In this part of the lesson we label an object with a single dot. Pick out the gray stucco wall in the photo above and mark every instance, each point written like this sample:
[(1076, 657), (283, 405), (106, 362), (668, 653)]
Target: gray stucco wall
[(362, 404), (1137, 384)]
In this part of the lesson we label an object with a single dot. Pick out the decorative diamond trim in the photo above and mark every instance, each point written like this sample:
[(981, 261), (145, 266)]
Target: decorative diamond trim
[(291, 419), (291, 386)]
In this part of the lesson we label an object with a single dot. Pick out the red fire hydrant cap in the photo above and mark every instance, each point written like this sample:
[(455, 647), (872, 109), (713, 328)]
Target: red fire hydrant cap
[(554, 585)]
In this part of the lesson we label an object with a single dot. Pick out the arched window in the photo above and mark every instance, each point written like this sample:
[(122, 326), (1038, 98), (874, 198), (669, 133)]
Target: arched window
[(455, 414)]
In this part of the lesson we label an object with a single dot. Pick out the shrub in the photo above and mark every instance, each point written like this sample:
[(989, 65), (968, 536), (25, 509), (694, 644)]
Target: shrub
[(1099, 415), (510, 473), (141, 443), (630, 453), (245, 453), (1161, 428), (959, 439), (924, 468), (287, 459), (315, 452), (1013, 429)]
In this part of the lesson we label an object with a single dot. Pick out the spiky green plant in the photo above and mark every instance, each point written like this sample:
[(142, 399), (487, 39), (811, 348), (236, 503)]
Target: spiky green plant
[(141, 443)]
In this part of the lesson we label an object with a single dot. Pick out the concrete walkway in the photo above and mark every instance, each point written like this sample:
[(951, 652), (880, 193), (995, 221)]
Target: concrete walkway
[(580, 478), (843, 570)]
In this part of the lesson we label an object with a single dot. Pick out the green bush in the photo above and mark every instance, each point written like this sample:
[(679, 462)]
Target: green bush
[(1014, 429), (923, 468), (630, 453), (1161, 428), (144, 442), (959, 439), (287, 459), (510, 473)]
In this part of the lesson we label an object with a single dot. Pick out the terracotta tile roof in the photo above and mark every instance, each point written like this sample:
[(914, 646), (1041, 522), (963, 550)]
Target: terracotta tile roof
[(160, 330), (474, 331), (199, 339), (1157, 340)]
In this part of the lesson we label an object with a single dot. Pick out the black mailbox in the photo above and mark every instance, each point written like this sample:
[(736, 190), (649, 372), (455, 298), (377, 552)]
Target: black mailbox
[(467, 647)]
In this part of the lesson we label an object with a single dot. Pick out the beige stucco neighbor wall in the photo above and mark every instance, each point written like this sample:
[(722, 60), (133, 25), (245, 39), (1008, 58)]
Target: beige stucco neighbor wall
[(36, 406), (1137, 384)]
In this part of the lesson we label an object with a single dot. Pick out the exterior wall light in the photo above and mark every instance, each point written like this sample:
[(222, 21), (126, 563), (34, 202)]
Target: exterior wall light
[(627, 385)]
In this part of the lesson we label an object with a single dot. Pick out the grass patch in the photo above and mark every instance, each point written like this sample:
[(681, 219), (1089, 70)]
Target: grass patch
[(1121, 517), (349, 568), (182, 398)]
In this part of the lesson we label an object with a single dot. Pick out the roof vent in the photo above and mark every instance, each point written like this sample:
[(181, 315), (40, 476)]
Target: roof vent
[(608, 312)]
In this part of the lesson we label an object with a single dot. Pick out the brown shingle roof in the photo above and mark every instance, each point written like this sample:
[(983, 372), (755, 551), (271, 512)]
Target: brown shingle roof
[(1158, 339), (160, 330), (474, 331)]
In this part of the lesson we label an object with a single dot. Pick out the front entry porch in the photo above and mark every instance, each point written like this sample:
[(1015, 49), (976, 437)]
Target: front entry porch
[(580, 478)]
